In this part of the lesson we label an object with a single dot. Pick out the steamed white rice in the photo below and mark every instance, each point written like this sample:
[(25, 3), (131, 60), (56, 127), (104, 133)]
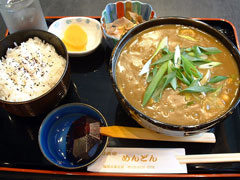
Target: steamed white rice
[(29, 70)]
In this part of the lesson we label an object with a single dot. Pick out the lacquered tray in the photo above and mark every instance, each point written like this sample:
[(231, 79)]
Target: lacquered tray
[(20, 153)]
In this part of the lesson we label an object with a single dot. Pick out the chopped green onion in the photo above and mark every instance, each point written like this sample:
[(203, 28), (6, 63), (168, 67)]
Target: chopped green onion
[(187, 37), (196, 51), (152, 86), (188, 49), (146, 67), (181, 65), (218, 90), (162, 85), (190, 103), (174, 80), (163, 59), (196, 88), (152, 74), (165, 51), (193, 58), (190, 69), (204, 56), (197, 61), (181, 77), (191, 54), (205, 79), (216, 79), (162, 44), (177, 57), (209, 65), (209, 50)]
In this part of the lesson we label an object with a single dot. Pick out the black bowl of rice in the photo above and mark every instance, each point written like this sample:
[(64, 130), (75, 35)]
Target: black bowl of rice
[(34, 72)]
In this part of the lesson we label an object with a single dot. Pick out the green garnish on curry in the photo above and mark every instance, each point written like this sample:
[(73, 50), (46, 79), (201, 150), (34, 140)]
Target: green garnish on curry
[(180, 71)]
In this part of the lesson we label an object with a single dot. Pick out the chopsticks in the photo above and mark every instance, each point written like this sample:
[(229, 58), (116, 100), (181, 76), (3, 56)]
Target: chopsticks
[(145, 134), (209, 158)]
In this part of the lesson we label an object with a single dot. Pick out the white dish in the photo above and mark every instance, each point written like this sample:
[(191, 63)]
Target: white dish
[(91, 26)]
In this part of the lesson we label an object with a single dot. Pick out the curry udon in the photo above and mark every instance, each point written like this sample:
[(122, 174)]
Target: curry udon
[(196, 86)]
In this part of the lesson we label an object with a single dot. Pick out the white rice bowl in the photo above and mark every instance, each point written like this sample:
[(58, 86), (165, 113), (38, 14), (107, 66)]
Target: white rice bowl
[(29, 70)]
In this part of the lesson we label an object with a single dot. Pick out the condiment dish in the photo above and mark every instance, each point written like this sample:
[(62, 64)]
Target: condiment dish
[(90, 26), (62, 139), (114, 11)]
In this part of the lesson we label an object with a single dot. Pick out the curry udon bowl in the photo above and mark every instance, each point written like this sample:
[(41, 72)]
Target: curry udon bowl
[(51, 97), (135, 111)]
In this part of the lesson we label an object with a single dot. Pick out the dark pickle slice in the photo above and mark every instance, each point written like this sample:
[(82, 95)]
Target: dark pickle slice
[(83, 139)]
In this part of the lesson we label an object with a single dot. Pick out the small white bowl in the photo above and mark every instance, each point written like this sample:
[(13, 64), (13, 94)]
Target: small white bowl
[(91, 26)]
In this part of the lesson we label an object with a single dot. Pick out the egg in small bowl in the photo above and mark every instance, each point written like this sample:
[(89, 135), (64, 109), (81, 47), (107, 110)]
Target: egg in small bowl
[(81, 35)]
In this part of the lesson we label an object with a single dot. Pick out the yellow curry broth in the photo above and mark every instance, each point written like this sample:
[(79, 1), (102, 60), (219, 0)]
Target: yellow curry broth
[(173, 107)]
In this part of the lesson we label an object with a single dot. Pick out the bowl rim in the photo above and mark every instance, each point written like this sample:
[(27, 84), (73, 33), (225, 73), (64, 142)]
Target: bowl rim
[(224, 41), (124, 2), (60, 79), (74, 53), (76, 104)]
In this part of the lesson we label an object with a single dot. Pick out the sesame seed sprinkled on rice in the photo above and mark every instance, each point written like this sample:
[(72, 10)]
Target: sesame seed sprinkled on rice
[(29, 70)]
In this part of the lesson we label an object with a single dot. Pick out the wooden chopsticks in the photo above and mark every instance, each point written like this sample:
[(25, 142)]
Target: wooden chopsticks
[(145, 134), (209, 158)]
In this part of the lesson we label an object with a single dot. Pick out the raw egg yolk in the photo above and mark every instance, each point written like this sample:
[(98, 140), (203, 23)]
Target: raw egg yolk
[(75, 38)]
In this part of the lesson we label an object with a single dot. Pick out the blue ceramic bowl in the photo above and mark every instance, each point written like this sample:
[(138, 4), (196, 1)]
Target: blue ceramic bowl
[(54, 130), (119, 9)]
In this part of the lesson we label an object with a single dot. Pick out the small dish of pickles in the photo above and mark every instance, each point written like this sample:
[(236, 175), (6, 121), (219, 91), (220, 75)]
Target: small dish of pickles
[(81, 35)]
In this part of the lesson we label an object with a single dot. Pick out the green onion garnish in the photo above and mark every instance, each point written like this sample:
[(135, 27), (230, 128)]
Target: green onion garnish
[(183, 66)]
